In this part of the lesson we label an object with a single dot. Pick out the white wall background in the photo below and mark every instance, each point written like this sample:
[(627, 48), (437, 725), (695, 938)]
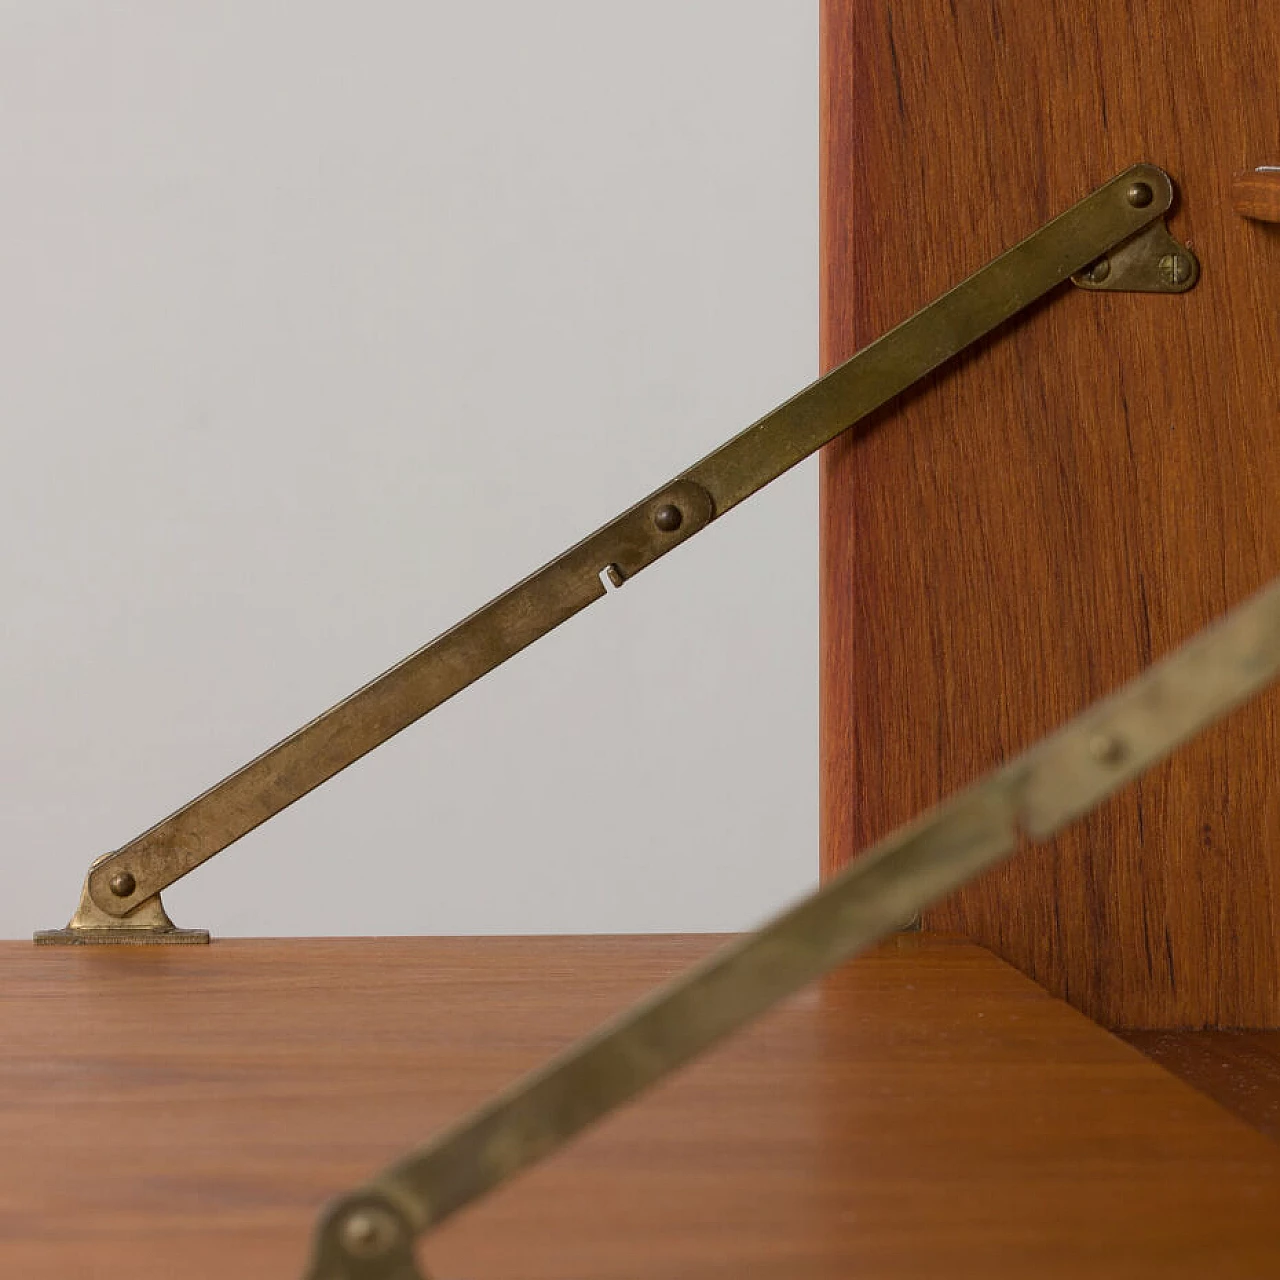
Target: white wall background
[(322, 323)]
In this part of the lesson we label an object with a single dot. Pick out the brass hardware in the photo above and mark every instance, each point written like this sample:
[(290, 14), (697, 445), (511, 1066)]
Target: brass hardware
[(1106, 748), (122, 884), (1151, 262), (668, 518), (373, 1239), (370, 1232), (1031, 797), (1085, 233), (1140, 195), (147, 923)]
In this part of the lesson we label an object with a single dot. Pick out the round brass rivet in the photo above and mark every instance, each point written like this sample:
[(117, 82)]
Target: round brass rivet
[(1098, 272), (123, 884), (668, 517), (1106, 748), (1140, 195), (369, 1232)]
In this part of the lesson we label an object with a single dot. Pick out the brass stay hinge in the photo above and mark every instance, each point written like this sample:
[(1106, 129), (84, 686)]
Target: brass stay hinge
[(1113, 239)]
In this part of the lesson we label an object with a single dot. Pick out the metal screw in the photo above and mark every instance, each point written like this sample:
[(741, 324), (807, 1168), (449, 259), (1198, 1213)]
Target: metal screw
[(1106, 748), (668, 517), (1175, 268), (1098, 272), (122, 884), (1140, 195), (369, 1232)]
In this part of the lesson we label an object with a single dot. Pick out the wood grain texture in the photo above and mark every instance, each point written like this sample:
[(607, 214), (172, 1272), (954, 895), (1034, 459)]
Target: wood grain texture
[(1240, 1070), (1038, 522), (1256, 194), (927, 1112)]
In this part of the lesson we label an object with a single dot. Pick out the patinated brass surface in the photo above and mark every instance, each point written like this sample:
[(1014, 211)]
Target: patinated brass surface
[(1113, 214), (148, 924), (1061, 778), (1152, 262)]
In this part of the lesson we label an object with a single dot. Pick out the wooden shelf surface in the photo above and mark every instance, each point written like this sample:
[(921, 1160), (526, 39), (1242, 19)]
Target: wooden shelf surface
[(926, 1112)]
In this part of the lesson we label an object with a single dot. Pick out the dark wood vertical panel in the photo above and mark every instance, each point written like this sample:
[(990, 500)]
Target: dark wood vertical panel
[(1040, 521)]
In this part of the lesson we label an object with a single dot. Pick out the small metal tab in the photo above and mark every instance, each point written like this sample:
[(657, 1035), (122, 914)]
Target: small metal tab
[(1151, 262)]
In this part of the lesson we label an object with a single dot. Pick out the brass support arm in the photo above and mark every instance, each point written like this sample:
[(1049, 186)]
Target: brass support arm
[(1121, 223)]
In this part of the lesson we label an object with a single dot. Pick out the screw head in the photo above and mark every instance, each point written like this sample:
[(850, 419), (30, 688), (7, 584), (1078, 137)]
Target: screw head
[(369, 1232), (122, 884), (1107, 749), (1098, 271), (1175, 268), (668, 517), (1140, 195)]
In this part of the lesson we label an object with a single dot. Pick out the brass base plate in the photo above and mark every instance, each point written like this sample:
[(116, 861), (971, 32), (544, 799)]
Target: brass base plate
[(148, 924), (120, 937)]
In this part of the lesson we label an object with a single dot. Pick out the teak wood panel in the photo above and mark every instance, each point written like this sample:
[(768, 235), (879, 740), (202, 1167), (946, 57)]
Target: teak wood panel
[(1040, 521), (926, 1114)]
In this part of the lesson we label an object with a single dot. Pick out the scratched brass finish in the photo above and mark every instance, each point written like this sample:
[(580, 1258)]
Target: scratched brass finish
[(118, 882), (1057, 781)]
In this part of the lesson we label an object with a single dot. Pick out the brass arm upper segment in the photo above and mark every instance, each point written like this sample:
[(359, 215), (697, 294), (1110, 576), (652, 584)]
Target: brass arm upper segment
[(123, 886)]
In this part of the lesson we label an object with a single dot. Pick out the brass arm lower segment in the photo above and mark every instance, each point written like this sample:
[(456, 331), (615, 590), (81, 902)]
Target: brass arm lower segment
[(369, 1235)]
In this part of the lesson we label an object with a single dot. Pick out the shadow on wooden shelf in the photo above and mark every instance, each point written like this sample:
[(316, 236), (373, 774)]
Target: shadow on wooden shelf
[(1238, 1069)]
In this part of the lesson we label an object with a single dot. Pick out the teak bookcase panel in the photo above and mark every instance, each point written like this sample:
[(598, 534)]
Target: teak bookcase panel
[(1089, 487)]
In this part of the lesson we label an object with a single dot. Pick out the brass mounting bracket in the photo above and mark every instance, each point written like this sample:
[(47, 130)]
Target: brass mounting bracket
[(148, 922), (1115, 235), (1152, 262)]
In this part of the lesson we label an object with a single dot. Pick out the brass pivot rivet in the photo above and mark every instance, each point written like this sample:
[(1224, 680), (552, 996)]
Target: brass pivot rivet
[(1098, 272), (668, 517), (1140, 195), (369, 1232), (1175, 268), (122, 884), (1106, 748)]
